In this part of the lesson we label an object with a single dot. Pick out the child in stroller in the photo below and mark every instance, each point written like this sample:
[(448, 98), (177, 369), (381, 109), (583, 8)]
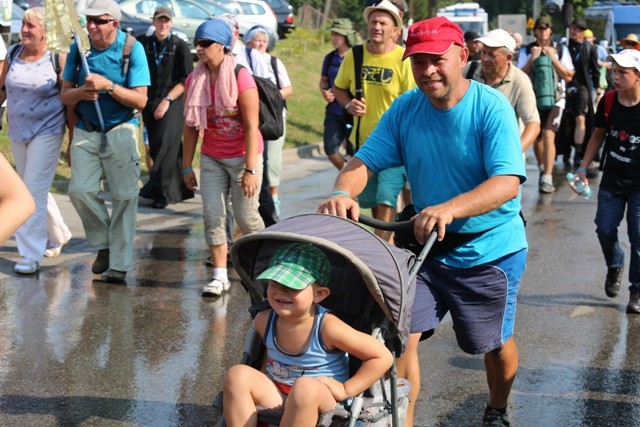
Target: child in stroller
[(307, 346)]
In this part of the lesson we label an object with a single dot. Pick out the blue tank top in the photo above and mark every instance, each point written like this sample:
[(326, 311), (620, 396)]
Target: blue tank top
[(315, 360)]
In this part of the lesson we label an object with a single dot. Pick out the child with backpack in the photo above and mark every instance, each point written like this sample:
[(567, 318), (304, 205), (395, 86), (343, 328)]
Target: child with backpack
[(617, 125)]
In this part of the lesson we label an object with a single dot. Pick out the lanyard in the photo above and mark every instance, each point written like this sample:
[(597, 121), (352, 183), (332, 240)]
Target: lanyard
[(164, 49)]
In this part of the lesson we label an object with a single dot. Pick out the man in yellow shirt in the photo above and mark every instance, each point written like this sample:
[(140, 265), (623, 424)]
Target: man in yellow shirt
[(384, 77)]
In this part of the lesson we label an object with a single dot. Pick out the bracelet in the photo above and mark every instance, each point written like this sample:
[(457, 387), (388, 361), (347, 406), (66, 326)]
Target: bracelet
[(187, 170), (340, 192), (583, 170)]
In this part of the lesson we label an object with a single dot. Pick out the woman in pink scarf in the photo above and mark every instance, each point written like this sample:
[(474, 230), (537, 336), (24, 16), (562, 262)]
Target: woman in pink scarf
[(225, 109)]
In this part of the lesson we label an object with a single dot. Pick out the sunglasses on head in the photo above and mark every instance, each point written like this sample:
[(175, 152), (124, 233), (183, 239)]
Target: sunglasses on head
[(99, 21), (203, 43)]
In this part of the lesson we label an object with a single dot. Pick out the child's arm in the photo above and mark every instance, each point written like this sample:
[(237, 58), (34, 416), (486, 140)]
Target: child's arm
[(376, 358)]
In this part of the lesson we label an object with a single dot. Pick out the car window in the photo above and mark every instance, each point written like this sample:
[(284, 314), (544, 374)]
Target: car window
[(252, 8), (214, 8), (191, 10)]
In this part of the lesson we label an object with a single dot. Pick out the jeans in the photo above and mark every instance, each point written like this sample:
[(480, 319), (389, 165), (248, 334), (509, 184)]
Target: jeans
[(610, 211)]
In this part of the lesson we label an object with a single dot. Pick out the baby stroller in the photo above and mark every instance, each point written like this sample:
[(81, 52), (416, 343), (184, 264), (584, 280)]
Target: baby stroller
[(372, 289)]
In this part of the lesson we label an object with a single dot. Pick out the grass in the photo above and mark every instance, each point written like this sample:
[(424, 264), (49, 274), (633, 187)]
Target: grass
[(302, 54)]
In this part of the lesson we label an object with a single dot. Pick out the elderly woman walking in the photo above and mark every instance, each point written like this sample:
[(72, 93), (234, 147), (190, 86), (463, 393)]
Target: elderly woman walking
[(225, 107), (258, 39), (30, 82)]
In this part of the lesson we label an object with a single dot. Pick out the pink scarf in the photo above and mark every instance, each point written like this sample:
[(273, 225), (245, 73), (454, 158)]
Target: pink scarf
[(199, 93)]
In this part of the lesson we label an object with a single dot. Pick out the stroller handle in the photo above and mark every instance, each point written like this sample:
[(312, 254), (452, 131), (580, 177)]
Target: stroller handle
[(386, 226)]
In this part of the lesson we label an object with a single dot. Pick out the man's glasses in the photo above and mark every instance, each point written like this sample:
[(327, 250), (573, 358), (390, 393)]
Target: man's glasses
[(99, 21), (203, 43)]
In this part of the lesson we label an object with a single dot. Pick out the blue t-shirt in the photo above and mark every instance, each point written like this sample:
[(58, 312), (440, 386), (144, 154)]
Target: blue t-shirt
[(108, 63), (330, 67), (449, 152)]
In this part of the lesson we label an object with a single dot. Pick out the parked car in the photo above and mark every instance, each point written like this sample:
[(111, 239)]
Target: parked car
[(187, 14), (256, 12), (284, 15), (139, 27), (10, 29)]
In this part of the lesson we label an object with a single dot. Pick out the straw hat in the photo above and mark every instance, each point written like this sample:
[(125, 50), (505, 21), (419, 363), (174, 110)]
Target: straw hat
[(631, 38)]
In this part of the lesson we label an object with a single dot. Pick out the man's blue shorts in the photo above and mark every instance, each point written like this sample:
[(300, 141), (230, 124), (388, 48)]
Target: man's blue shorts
[(383, 188), (481, 299)]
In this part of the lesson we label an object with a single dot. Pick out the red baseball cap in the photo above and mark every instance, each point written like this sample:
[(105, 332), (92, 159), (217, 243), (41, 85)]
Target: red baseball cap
[(434, 36)]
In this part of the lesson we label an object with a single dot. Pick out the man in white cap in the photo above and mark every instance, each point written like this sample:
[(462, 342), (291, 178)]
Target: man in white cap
[(384, 77), (617, 121), (105, 141), (498, 48)]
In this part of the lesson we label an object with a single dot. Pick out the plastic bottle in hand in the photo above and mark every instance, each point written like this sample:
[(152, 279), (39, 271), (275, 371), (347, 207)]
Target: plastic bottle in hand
[(579, 186)]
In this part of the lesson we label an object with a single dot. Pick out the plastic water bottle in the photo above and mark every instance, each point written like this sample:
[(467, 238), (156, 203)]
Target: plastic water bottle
[(579, 186)]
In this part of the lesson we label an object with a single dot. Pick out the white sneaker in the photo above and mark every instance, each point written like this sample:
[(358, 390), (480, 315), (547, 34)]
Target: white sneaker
[(54, 251), (215, 288), (26, 266)]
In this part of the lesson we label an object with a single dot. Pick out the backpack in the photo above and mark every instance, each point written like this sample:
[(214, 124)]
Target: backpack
[(271, 122), (545, 80)]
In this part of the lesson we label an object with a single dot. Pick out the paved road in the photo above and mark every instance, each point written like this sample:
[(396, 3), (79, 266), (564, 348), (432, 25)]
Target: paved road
[(79, 352)]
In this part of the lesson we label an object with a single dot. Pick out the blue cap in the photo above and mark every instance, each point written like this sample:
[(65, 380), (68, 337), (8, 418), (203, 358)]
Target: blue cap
[(216, 30)]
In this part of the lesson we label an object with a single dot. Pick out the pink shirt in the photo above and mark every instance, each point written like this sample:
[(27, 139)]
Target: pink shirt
[(224, 137)]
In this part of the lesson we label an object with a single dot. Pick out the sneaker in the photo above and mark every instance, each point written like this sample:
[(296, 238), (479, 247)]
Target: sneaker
[(26, 266), (546, 188), (634, 303), (613, 281), (115, 276), (495, 418), (54, 251), (101, 264), (215, 288)]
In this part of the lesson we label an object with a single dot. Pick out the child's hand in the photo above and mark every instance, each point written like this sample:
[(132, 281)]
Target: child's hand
[(336, 388)]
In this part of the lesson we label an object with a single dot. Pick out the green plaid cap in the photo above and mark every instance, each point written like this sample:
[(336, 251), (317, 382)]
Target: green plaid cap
[(297, 265)]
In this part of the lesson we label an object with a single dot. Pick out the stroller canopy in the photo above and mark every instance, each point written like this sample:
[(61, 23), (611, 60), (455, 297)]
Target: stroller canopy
[(384, 269)]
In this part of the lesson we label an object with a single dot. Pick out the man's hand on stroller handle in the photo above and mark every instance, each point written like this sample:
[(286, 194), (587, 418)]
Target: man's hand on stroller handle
[(434, 217), (340, 205)]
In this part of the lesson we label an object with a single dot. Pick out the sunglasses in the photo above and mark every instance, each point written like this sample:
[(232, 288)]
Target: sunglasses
[(99, 21), (203, 43)]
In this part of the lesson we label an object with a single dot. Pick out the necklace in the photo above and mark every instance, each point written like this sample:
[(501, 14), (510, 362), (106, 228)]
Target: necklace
[(158, 57)]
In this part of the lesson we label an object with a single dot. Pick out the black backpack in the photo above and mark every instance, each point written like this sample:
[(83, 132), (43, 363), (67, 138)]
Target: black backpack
[(271, 124)]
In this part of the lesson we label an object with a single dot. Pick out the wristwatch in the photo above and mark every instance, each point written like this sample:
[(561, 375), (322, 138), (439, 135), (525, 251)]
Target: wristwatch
[(251, 171), (111, 89), (168, 98)]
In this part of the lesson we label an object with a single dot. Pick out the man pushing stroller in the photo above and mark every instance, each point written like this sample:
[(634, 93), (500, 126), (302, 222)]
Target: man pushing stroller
[(307, 365), (465, 186)]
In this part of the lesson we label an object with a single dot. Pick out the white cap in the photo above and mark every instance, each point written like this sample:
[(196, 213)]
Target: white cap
[(498, 38), (628, 58)]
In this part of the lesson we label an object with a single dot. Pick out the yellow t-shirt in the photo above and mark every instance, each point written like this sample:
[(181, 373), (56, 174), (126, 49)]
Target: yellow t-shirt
[(384, 78)]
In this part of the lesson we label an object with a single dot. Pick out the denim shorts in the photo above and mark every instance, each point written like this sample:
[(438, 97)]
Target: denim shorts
[(383, 188), (335, 132), (481, 300)]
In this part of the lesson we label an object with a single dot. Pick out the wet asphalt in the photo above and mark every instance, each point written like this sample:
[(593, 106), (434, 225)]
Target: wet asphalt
[(75, 351)]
